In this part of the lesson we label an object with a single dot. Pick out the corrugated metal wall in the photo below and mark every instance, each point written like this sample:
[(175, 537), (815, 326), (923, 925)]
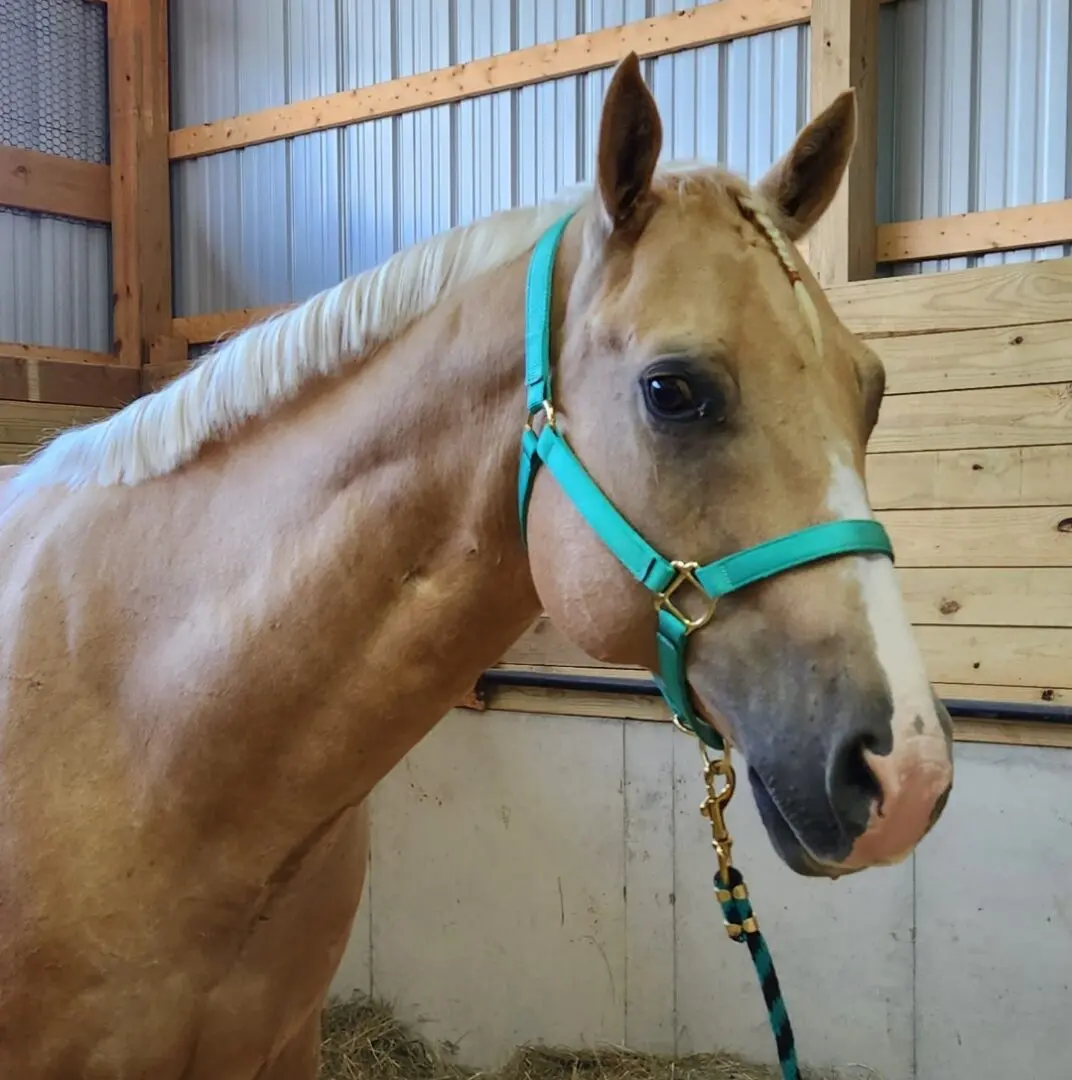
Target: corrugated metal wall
[(975, 115), (974, 112), (273, 223), (55, 276)]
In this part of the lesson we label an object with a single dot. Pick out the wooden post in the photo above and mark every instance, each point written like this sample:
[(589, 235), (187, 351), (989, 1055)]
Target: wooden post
[(844, 54), (141, 186)]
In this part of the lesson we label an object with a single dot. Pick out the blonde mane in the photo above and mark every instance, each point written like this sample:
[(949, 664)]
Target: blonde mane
[(269, 363)]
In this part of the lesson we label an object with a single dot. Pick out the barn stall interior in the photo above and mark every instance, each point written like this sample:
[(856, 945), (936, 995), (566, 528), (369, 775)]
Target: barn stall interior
[(540, 872)]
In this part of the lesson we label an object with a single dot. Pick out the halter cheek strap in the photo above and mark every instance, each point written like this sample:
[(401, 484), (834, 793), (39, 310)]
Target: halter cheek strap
[(662, 576)]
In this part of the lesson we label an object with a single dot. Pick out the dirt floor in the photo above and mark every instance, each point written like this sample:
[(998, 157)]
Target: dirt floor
[(363, 1041)]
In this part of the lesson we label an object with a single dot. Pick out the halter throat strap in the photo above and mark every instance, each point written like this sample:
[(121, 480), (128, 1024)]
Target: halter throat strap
[(662, 576)]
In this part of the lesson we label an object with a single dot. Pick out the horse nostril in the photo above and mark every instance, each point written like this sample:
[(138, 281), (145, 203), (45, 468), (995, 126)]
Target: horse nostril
[(851, 785)]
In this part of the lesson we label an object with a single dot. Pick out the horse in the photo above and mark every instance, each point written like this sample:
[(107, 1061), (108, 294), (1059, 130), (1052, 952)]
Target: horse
[(230, 608)]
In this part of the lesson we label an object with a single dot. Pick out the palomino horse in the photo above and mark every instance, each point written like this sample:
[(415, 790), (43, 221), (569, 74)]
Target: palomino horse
[(229, 610)]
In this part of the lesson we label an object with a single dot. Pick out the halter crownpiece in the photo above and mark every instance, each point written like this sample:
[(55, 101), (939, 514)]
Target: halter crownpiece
[(653, 570)]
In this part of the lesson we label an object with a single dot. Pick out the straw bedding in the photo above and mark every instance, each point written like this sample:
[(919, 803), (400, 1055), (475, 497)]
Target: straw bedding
[(363, 1041)]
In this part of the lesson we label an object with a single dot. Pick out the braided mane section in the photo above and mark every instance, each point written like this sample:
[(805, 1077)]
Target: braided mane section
[(763, 222)]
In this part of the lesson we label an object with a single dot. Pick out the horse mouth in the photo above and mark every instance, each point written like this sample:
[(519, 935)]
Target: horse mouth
[(783, 837)]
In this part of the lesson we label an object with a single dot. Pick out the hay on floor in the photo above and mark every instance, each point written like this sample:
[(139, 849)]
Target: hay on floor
[(363, 1041)]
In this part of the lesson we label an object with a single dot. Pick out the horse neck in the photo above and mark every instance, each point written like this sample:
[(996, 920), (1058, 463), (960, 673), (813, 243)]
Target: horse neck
[(408, 576), (311, 597)]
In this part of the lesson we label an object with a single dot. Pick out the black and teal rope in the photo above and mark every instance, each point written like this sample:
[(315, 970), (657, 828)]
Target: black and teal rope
[(741, 925)]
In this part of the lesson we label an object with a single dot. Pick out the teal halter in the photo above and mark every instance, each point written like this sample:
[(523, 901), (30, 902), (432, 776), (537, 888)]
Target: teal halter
[(661, 575)]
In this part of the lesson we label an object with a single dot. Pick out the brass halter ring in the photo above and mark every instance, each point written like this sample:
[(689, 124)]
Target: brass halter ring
[(685, 572)]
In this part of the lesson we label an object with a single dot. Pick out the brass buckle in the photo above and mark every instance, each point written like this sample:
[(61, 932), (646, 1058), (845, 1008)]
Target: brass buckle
[(548, 411), (714, 806), (662, 599)]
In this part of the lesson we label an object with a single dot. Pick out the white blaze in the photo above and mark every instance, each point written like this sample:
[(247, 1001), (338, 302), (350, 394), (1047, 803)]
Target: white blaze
[(918, 769)]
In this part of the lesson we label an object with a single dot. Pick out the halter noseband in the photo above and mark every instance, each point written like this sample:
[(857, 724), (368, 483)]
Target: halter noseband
[(661, 575)]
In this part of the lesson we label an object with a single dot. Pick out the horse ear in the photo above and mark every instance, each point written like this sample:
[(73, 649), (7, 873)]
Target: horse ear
[(630, 140), (803, 183)]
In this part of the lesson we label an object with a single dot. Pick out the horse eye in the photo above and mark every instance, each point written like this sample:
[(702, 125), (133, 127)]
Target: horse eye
[(669, 395)]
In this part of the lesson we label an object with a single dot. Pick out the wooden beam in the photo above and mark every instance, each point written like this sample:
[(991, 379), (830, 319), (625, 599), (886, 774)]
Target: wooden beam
[(663, 34), (844, 56), (972, 234), (168, 358), (141, 183), (47, 184), (1019, 294), (976, 359), (971, 479), (33, 373), (29, 424), (207, 329)]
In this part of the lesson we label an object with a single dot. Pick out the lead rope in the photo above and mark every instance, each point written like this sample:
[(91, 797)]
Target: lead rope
[(732, 894)]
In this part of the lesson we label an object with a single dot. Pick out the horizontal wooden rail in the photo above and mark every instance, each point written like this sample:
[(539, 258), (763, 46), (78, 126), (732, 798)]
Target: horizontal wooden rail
[(35, 373), (663, 34), (1037, 225), (206, 329), (48, 184)]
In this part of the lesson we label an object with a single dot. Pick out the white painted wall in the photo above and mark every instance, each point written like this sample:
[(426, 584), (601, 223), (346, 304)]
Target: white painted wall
[(549, 878)]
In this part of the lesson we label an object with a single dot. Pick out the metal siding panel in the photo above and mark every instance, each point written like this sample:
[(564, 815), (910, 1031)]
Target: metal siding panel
[(425, 198), (484, 135), (887, 127), (974, 113), (369, 190), (313, 63), (673, 81), (592, 87), (264, 227), (55, 284), (548, 131)]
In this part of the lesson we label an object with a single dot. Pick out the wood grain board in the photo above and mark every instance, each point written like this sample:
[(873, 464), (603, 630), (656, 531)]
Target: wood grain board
[(138, 121), (27, 424), (973, 419), (950, 479), (844, 47), (1018, 294), (988, 596), (49, 184), (983, 537), (976, 232), (974, 359), (65, 377)]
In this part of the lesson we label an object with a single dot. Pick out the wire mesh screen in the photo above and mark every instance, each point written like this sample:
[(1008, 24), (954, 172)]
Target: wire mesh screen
[(53, 77)]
